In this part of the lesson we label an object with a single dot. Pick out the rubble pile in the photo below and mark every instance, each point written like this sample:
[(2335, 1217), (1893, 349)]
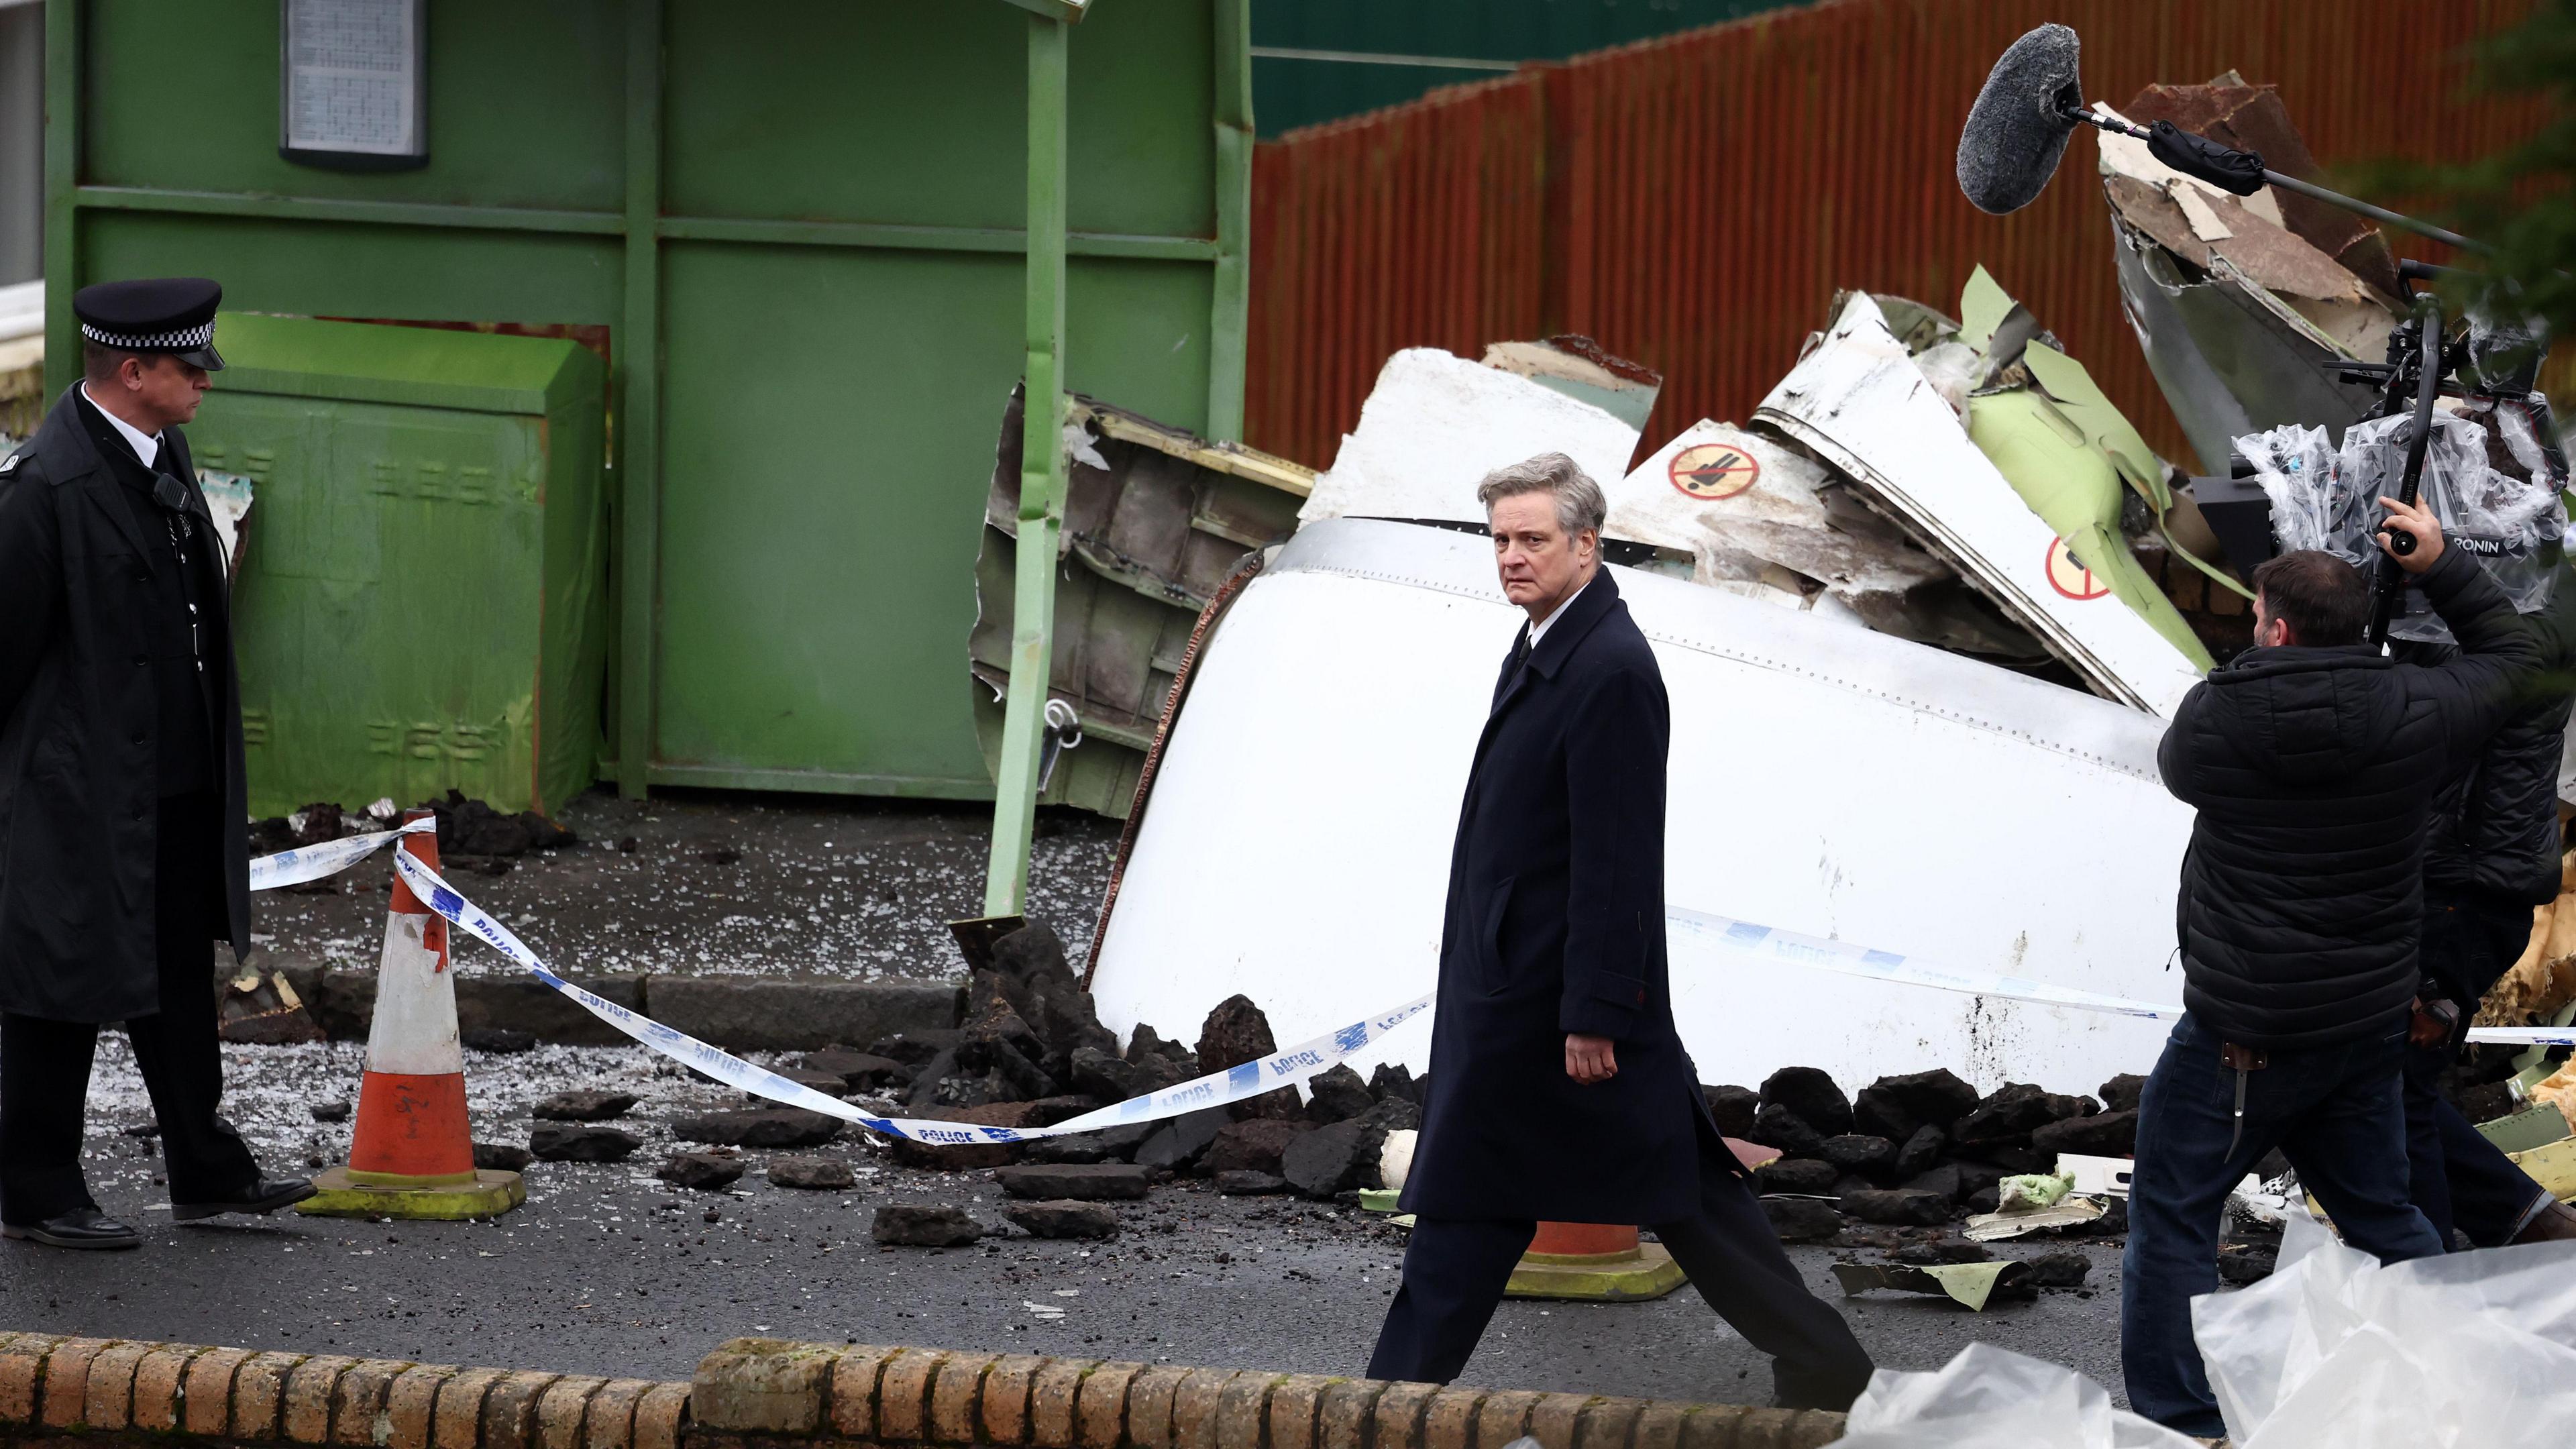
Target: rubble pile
[(472, 835), (1031, 1052), (1918, 1150)]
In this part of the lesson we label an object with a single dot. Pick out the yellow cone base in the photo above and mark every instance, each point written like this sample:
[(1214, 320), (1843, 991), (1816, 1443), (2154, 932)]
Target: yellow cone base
[(337, 1195), (1637, 1277)]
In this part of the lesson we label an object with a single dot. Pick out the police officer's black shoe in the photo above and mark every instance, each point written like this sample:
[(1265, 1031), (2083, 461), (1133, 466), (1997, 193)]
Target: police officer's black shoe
[(79, 1228), (266, 1195)]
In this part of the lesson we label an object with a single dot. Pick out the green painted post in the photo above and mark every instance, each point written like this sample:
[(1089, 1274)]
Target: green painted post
[(1041, 520), (639, 422), (1232, 291), (62, 183)]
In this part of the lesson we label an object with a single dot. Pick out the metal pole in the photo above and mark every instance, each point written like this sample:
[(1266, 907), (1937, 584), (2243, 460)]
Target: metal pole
[(639, 419), (1041, 516), (1229, 322), (2379, 214), (62, 183)]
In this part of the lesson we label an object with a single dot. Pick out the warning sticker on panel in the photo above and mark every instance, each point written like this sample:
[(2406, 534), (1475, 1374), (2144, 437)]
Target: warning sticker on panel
[(2068, 575), (1712, 471)]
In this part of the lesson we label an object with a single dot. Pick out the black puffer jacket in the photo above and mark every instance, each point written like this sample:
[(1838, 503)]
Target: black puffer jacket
[(2495, 825), (2314, 771)]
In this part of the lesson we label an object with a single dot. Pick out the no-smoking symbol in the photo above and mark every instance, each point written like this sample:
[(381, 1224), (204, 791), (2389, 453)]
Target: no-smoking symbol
[(2068, 575), (1711, 471)]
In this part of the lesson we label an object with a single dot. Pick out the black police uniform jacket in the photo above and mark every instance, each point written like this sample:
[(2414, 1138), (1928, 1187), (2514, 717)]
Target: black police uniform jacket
[(78, 716), (1555, 924)]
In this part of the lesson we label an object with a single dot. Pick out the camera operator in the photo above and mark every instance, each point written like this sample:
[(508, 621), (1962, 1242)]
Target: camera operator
[(2314, 762), (2491, 855)]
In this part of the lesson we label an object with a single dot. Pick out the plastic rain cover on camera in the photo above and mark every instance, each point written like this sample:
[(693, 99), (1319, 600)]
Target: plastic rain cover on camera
[(2510, 525), (2334, 1351), (1992, 1398), (2330, 500), (2312, 507)]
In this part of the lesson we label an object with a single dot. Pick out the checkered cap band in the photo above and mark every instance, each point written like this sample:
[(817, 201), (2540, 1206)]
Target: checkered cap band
[(181, 340)]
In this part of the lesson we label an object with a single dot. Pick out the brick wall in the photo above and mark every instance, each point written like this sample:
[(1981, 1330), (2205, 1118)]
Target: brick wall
[(755, 1393)]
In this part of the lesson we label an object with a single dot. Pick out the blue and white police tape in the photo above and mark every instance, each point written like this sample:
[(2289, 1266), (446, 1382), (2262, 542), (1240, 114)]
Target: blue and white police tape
[(1686, 927), (1280, 1069), (312, 862)]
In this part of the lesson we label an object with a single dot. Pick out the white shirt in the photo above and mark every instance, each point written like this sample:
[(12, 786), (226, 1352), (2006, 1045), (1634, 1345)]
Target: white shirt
[(1538, 630), (147, 446)]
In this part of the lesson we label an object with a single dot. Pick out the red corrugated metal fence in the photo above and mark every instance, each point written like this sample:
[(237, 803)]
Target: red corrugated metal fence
[(1693, 202)]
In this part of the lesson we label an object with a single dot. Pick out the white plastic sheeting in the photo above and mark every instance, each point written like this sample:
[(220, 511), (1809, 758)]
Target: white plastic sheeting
[(1863, 405), (1993, 1398), (1824, 779), (1435, 425), (2334, 1351)]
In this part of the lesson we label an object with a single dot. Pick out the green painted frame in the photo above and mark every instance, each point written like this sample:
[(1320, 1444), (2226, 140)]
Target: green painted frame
[(637, 380)]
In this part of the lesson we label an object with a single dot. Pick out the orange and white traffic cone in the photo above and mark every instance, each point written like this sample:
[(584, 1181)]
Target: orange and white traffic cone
[(412, 1155), (1594, 1261)]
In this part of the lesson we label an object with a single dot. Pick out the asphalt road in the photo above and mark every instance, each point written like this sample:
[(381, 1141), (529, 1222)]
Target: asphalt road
[(607, 1270)]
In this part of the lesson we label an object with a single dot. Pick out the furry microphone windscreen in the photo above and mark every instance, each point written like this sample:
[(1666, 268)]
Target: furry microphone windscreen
[(2015, 134)]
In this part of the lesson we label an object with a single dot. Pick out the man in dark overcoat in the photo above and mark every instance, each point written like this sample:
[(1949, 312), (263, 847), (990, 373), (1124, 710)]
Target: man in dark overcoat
[(1559, 1090), (123, 849)]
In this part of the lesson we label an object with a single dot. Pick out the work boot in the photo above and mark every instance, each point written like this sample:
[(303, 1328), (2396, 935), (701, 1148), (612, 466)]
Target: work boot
[(80, 1228), (2555, 1222)]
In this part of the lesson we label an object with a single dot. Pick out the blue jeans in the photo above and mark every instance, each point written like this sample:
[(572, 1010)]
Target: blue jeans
[(2335, 1112)]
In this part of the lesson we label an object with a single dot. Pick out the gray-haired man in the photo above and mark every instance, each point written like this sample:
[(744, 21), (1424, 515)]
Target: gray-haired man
[(1559, 1090)]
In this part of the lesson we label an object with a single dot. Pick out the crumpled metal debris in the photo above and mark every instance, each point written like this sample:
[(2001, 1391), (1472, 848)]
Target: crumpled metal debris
[(2240, 303)]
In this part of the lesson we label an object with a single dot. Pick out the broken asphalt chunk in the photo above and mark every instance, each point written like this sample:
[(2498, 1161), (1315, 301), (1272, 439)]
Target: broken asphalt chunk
[(704, 1171), (812, 1174), (1734, 1109), (583, 1106), (1802, 1219), (560, 1142), (501, 1157), (1082, 1181), (1063, 1218), (917, 1225), (1898, 1207)]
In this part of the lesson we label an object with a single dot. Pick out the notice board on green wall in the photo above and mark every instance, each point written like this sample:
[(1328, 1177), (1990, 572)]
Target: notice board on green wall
[(419, 604)]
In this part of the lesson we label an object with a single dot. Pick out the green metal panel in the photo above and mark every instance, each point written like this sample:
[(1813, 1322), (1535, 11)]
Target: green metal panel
[(419, 602), (432, 274), (816, 593), (911, 114), (547, 75), (803, 226)]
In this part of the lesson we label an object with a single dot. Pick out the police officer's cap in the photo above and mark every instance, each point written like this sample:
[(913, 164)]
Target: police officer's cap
[(175, 315)]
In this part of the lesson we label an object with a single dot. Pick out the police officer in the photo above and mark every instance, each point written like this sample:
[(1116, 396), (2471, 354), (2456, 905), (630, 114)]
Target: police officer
[(123, 853)]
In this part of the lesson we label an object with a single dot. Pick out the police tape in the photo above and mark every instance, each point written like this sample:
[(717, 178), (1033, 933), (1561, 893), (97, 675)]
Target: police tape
[(312, 862), (1292, 1067), (1251, 1079), (1771, 943)]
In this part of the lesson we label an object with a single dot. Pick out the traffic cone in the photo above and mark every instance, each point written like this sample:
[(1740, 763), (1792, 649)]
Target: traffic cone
[(1598, 1262), (412, 1155)]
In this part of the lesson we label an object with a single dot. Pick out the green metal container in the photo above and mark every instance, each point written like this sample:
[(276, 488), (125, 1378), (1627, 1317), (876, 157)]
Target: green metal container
[(419, 604), (805, 228)]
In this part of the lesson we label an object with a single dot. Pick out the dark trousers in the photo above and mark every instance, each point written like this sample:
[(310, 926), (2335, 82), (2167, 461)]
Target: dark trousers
[(2458, 1177), (2333, 1111), (44, 1065), (1455, 1270)]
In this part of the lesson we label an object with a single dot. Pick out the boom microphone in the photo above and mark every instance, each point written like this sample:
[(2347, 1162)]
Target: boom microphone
[(2034, 99), (2017, 130)]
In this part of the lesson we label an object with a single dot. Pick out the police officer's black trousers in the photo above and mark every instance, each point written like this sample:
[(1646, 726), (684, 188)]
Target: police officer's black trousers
[(45, 1065), (1455, 1269)]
